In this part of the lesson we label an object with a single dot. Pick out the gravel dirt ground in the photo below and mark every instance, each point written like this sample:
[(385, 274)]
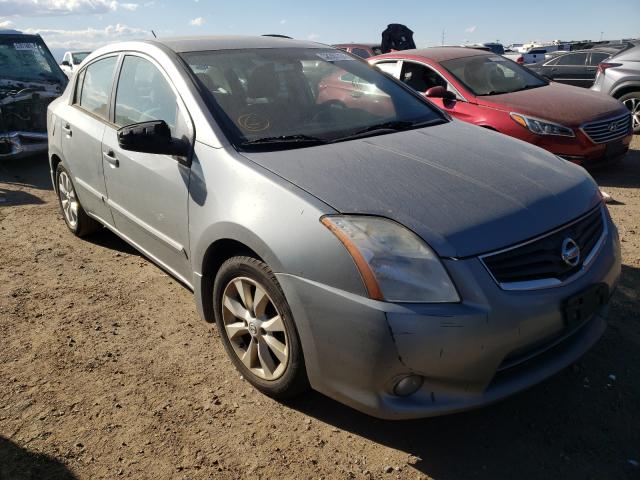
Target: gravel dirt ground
[(107, 372)]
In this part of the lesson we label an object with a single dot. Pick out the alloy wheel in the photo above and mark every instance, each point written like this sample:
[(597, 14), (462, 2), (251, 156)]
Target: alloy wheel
[(68, 199), (255, 328), (633, 104)]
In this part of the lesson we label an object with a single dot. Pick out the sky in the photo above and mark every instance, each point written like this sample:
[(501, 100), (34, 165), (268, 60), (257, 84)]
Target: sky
[(87, 24)]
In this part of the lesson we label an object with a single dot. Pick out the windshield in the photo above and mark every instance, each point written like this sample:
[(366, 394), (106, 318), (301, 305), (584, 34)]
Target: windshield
[(79, 57), (28, 60), (283, 97), (492, 75)]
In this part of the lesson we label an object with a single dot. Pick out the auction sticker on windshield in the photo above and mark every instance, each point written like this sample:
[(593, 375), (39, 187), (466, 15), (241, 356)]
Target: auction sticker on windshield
[(25, 46), (334, 56)]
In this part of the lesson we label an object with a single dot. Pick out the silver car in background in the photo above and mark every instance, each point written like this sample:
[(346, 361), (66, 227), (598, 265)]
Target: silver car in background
[(619, 76), (366, 245)]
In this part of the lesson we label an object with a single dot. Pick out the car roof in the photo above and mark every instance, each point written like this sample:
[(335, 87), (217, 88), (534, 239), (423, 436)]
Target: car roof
[(230, 42), (631, 54), (440, 54), (17, 33), (358, 44)]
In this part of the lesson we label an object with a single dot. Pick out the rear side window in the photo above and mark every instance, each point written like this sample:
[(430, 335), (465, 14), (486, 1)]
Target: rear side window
[(143, 94), (574, 59), (96, 86)]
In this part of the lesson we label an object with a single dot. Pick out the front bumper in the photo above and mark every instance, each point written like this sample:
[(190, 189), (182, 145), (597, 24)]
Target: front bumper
[(491, 345), (22, 144)]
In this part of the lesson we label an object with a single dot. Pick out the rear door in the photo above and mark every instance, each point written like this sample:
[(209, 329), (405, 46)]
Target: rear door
[(148, 193), (83, 125)]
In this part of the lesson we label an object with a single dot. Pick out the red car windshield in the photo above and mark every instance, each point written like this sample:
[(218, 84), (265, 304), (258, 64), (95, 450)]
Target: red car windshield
[(492, 75), (296, 96)]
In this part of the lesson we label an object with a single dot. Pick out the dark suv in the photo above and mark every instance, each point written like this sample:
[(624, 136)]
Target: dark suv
[(30, 79)]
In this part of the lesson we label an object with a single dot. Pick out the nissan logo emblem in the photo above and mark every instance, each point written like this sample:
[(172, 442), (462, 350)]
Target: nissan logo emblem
[(570, 252)]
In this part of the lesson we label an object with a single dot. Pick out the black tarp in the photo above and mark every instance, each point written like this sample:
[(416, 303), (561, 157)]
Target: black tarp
[(397, 37)]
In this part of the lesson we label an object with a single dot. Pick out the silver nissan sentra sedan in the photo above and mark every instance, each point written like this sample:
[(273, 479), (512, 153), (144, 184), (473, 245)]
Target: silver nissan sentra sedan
[(344, 234)]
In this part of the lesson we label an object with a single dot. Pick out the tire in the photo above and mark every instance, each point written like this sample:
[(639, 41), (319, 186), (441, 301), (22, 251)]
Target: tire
[(74, 215), (254, 333), (632, 102)]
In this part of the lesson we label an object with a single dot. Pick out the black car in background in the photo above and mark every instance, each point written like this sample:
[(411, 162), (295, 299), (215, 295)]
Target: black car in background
[(30, 79), (576, 68)]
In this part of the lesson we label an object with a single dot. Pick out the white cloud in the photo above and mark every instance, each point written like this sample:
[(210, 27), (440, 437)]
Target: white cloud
[(471, 29), (283, 21), (88, 38), (5, 23), (313, 36), (33, 8), (197, 22)]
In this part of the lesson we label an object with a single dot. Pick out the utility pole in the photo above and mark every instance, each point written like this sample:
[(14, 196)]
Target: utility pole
[(443, 31), (601, 35)]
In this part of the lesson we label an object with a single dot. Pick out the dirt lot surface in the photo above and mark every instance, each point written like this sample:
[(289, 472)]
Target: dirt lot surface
[(107, 372)]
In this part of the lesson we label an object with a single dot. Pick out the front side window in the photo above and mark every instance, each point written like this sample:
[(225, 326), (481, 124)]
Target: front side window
[(492, 75), (96, 86), (421, 78), (143, 94), (296, 94)]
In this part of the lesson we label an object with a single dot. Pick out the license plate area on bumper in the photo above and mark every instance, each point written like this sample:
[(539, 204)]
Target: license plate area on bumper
[(581, 307)]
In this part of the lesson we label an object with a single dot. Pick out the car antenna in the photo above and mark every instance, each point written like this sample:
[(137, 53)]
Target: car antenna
[(154, 34)]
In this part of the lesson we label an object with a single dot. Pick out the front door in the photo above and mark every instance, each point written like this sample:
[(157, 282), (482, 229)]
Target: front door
[(148, 193)]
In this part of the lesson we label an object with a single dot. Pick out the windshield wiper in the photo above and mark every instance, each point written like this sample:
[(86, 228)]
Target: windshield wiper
[(386, 127), (299, 140)]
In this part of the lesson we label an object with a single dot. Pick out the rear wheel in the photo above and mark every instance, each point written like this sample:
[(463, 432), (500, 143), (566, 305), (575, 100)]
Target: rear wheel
[(632, 102), (74, 215), (257, 329)]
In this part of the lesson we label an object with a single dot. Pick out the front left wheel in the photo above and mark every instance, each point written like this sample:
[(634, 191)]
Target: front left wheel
[(257, 328)]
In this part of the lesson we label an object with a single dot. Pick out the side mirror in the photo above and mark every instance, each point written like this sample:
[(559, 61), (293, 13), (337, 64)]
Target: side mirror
[(440, 92), (66, 63), (151, 137)]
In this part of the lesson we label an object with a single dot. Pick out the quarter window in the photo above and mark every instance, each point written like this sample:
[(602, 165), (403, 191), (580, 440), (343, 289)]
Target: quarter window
[(144, 94), (96, 86), (597, 57)]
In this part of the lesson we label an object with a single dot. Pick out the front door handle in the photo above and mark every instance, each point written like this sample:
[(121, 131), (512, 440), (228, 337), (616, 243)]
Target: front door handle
[(67, 129), (110, 157)]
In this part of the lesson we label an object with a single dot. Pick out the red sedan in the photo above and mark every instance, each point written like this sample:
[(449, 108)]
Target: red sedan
[(491, 91)]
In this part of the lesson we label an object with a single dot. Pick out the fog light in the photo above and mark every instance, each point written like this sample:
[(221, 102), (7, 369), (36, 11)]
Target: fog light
[(407, 385)]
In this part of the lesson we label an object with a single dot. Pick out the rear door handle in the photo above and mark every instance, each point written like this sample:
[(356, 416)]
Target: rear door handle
[(67, 129), (110, 157)]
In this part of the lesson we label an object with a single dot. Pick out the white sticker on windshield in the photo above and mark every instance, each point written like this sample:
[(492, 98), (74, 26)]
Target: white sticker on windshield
[(334, 56), (25, 46), (497, 59)]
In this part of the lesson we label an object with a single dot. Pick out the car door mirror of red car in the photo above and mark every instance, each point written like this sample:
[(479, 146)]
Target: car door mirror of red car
[(151, 137), (440, 92)]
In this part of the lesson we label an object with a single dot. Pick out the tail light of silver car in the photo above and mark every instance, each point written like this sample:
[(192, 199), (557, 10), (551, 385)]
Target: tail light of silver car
[(604, 65)]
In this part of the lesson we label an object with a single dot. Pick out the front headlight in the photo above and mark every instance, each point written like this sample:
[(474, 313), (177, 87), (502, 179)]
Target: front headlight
[(395, 264), (542, 127)]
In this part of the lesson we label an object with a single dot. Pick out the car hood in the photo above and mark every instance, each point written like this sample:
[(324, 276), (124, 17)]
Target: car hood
[(564, 104), (465, 190)]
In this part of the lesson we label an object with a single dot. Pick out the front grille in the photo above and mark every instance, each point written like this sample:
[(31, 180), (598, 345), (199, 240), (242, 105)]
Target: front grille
[(541, 258), (608, 130)]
